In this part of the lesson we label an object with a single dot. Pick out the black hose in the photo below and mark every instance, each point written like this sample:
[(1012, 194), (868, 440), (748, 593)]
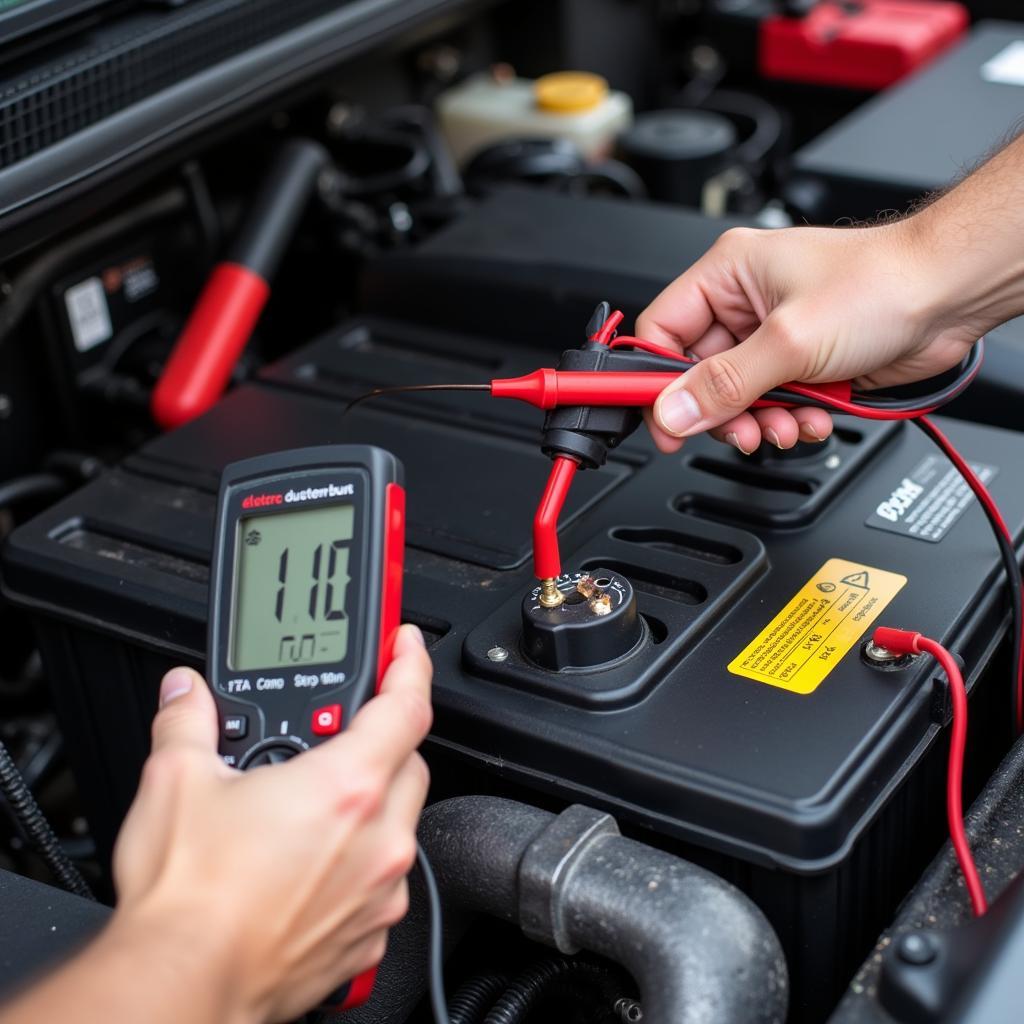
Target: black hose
[(538, 982), (475, 997), (34, 485), (37, 829)]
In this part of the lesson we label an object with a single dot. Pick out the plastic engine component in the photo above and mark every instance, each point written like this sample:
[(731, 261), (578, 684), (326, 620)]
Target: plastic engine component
[(597, 623)]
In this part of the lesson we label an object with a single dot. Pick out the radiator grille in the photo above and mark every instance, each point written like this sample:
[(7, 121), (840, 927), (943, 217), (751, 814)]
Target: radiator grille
[(120, 65)]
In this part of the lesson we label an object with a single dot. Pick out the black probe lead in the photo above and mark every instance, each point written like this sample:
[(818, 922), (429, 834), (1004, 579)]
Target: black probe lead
[(969, 369), (1008, 554), (435, 951)]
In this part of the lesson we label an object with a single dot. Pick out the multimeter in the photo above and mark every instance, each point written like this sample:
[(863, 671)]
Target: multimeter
[(305, 601)]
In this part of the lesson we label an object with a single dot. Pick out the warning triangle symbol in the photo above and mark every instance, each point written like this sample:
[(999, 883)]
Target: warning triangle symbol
[(856, 579)]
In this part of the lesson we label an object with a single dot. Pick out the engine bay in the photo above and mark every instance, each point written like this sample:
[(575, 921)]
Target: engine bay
[(356, 197)]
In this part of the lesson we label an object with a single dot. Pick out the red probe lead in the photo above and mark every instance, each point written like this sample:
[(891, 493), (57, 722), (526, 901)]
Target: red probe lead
[(547, 562), (902, 641)]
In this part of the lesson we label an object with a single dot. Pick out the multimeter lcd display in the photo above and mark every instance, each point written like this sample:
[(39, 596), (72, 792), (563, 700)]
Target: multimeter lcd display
[(291, 588)]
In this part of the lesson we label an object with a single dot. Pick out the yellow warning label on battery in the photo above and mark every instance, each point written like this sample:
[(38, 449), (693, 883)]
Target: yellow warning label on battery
[(827, 616)]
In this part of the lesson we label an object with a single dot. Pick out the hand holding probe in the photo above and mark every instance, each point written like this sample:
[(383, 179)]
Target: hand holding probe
[(593, 396)]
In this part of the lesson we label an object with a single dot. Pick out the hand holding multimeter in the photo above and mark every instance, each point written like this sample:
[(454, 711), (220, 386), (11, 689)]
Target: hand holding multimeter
[(305, 599), (247, 896), (305, 595)]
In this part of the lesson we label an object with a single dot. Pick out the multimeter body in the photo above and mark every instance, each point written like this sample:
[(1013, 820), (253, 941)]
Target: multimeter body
[(305, 601)]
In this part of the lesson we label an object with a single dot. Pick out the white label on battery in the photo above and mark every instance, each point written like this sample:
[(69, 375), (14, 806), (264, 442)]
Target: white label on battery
[(88, 314), (1007, 66)]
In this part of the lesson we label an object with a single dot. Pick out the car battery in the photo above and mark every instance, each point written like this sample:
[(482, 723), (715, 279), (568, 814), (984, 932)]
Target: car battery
[(747, 729), (920, 136)]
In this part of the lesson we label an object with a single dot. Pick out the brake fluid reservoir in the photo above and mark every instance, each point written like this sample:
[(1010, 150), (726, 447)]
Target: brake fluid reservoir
[(573, 105)]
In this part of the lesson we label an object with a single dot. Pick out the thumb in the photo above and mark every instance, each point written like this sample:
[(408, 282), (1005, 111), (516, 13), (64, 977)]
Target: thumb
[(720, 387), (187, 715)]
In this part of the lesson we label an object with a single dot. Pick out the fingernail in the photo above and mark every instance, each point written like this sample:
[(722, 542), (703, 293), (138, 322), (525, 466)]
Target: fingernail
[(691, 355), (732, 439), (813, 432), (772, 438), (175, 684), (678, 412), (418, 633)]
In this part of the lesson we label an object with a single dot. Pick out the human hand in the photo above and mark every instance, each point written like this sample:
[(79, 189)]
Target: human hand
[(285, 878), (764, 308)]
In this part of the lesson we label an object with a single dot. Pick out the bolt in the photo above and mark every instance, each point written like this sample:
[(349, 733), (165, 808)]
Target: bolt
[(550, 595), (400, 217), (917, 949), (497, 654), (339, 117), (629, 1011), (880, 655), (705, 59), (443, 62), (833, 462)]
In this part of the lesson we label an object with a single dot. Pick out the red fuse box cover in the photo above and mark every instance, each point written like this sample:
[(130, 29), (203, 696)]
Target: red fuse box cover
[(859, 44)]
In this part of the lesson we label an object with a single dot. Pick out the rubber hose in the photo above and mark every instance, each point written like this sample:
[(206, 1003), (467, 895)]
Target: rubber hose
[(36, 485), (523, 996), (37, 829), (474, 998)]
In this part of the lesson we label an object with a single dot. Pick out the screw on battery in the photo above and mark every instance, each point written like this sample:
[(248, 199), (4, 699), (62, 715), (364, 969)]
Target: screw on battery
[(497, 654), (832, 462), (629, 1011), (881, 655), (917, 949), (883, 659)]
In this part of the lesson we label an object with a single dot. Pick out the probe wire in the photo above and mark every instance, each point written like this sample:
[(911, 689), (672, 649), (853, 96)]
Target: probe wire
[(435, 951), (1009, 556), (955, 772), (903, 641)]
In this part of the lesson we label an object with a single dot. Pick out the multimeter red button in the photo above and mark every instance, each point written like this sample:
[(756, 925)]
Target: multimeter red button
[(327, 720), (236, 727)]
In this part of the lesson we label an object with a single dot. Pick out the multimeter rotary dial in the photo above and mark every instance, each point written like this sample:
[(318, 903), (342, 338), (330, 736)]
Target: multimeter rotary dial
[(274, 751), (597, 623)]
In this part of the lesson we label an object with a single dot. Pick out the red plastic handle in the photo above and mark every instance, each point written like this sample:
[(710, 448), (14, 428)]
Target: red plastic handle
[(547, 388), (200, 366)]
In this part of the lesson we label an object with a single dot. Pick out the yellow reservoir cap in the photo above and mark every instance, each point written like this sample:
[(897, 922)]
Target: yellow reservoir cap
[(570, 92)]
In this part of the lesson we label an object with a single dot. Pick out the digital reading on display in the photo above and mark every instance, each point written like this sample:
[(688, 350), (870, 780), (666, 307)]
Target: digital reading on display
[(291, 588)]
